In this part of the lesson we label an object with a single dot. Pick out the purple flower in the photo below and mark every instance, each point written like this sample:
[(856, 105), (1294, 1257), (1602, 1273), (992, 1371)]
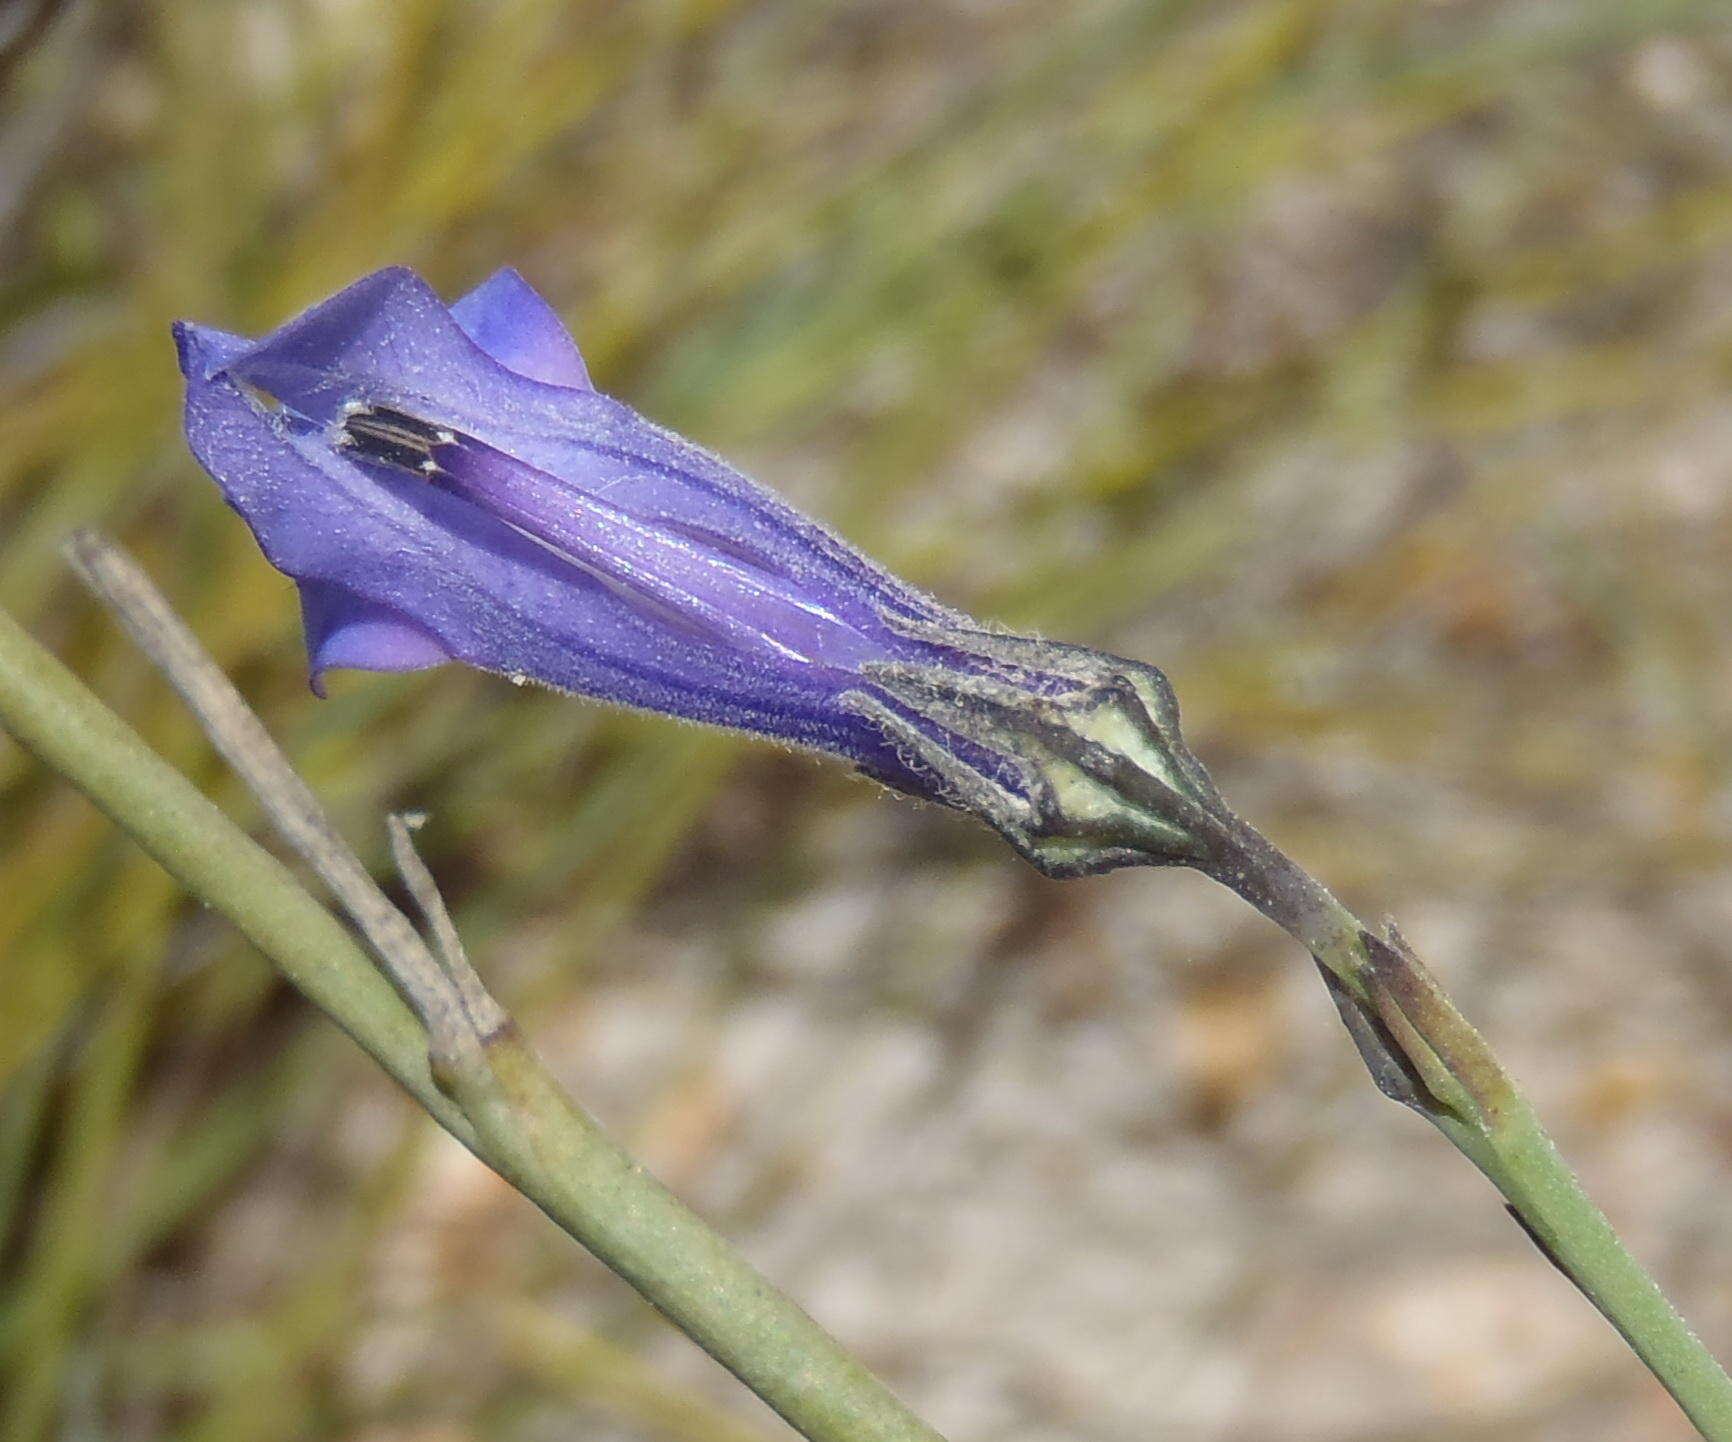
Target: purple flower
[(444, 483)]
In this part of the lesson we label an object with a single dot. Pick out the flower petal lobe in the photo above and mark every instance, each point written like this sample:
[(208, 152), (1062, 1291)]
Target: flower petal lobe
[(508, 319), (346, 632)]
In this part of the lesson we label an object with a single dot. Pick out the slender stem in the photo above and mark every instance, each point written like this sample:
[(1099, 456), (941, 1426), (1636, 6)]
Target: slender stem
[(496, 1096), (556, 1154), (573, 1360), (294, 810), (1576, 1234), (1243, 860), (53, 715), (1424, 1053), (550, 1149)]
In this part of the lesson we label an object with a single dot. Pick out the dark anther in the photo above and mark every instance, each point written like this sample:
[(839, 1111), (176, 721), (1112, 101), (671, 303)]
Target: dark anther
[(394, 438)]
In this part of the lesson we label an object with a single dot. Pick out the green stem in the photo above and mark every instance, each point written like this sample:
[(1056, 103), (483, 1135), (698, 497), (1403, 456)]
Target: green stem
[(1578, 1237), (500, 1102), (1424, 1052), (551, 1150), (71, 732)]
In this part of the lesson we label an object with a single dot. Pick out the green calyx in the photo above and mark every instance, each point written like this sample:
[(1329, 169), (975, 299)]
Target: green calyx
[(1095, 773)]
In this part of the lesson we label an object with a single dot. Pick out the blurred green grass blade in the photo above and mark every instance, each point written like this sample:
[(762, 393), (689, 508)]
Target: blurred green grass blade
[(55, 1280)]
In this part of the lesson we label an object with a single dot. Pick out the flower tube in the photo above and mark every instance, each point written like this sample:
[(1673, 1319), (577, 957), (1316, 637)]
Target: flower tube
[(443, 483)]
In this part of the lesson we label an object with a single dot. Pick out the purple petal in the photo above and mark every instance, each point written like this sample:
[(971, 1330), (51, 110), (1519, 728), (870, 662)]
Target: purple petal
[(442, 484), (387, 330), (389, 340), (708, 595), (513, 324), (204, 350), (349, 632), (487, 594)]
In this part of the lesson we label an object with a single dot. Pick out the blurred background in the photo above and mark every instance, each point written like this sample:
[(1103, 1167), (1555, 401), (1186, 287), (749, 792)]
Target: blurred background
[(1366, 364)]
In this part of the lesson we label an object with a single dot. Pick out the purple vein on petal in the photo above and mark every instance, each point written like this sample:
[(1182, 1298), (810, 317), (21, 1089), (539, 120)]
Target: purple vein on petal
[(724, 599)]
